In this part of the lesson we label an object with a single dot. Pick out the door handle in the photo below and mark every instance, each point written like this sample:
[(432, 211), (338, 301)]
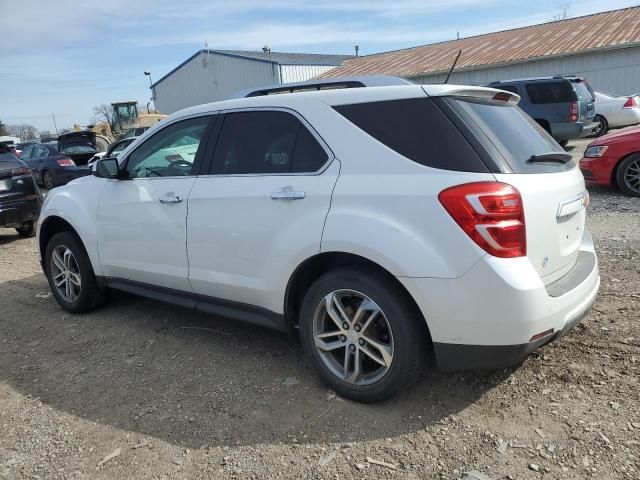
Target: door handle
[(288, 195), (171, 199)]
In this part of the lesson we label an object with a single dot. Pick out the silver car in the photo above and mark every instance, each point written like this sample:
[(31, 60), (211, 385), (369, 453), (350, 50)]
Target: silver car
[(614, 111)]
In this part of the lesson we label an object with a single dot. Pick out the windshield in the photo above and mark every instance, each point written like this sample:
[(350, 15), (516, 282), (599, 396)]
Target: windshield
[(77, 149), (513, 133)]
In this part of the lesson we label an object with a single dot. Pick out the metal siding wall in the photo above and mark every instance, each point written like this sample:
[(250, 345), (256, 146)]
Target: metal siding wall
[(616, 71), (193, 84), (300, 73)]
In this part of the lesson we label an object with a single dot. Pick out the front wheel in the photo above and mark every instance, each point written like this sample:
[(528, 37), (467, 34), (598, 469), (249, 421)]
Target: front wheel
[(363, 335), (48, 180), (70, 275), (628, 175)]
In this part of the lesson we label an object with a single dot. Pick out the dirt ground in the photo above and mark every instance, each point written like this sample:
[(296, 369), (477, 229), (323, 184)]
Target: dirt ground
[(139, 389)]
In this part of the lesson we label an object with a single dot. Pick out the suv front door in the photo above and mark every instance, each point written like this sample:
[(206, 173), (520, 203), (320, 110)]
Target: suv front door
[(142, 219), (261, 210)]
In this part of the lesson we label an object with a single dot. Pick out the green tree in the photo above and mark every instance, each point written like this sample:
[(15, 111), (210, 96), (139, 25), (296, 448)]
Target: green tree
[(3, 129)]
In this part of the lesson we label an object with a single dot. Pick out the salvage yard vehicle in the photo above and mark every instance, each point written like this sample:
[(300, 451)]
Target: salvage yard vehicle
[(614, 160), (20, 199), (615, 111), (56, 163), (384, 223), (563, 106), (113, 151)]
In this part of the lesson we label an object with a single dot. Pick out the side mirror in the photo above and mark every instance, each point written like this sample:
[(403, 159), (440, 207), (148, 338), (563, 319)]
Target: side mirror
[(107, 168)]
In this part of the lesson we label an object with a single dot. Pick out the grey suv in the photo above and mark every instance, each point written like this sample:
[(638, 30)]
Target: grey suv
[(563, 106)]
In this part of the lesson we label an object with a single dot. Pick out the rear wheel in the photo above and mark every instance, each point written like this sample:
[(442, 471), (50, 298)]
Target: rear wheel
[(28, 229), (70, 275), (628, 175), (602, 128), (48, 180), (362, 335)]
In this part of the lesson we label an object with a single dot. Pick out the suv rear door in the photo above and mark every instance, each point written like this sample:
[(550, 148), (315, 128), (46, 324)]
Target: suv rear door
[(586, 100), (261, 209), (553, 191)]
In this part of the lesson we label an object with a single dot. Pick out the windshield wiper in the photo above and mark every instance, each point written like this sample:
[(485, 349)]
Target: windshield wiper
[(551, 157)]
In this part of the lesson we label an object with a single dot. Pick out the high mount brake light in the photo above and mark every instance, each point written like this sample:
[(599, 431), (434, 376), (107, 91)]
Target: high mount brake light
[(502, 96), (491, 213)]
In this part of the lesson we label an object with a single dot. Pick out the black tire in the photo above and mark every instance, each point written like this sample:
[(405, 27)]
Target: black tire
[(48, 181), (409, 333), (603, 128), (28, 229), (90, 295), (629, 166)]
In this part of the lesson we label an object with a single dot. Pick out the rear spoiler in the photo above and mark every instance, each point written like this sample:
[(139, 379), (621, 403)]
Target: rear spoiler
[(486, 93)]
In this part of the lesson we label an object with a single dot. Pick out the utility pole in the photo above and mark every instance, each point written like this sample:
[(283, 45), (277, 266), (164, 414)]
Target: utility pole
[(357, 49), (54, 122)]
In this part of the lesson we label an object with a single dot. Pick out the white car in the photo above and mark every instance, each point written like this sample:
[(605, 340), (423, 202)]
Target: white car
[(615, 111), (385, 223)]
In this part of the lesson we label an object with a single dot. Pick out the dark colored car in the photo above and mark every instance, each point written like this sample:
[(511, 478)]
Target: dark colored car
[(20, 199), (56, 163), (563, 106), (614, 160)]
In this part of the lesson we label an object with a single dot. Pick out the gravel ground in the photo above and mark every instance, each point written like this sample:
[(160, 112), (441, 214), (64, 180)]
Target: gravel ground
[(140, 389)]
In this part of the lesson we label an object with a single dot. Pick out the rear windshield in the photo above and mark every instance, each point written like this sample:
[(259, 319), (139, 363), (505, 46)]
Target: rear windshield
[(551, 92), (78, 149), (584, 91), (510, 133), (417, 129)]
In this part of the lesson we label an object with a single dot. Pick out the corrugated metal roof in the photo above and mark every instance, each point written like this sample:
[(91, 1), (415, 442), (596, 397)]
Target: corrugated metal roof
[(288, 58), (614, 29)]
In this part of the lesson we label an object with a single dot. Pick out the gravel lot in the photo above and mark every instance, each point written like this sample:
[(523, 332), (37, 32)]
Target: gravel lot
[(140, 389)]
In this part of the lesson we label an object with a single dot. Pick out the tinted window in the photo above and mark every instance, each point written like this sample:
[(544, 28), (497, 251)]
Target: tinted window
[(417, 129), (170, 152), (78, 149), (508, 88), (583, 91), (266, 142), (514, 134), (551, 92), (27, 151), (40, 152), (119, 147)]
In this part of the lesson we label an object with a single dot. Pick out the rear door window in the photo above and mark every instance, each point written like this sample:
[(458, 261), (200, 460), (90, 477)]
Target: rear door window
[(417, 129), (584, 91), (510, 132), (551, 92), (262, 142)]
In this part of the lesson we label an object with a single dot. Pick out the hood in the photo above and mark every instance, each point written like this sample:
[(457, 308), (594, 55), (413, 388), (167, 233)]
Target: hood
[(77, 138), (625, 134)]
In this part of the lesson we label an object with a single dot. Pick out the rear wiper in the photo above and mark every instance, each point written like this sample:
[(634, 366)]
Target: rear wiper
[(553, 157)]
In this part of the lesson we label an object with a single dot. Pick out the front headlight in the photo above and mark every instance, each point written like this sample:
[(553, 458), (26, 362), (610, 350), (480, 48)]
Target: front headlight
[(595, 152)]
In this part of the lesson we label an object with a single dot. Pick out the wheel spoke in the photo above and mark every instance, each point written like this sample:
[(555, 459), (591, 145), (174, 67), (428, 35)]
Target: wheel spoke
[(365, 306), (334, 333), (67, 289), (59, 279), (383, 350), (58, 260), (357, 364), (328, 302), (328, 346), (373, 356), (335, 300), (368, 321), (345, 365)]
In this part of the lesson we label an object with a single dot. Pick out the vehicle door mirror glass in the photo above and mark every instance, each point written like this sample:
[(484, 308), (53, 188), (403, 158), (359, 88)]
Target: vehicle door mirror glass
[(107, 168)]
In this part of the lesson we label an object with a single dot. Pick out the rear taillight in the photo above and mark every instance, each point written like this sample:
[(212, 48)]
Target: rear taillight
[(573, 111), (631, 102), (66, 162), (491, 213), (18, 172)]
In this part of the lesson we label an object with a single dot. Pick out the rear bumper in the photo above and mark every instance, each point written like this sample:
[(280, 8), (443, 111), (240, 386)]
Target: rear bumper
[(64, 175), (15, 213), (491, 317), (567, 131)]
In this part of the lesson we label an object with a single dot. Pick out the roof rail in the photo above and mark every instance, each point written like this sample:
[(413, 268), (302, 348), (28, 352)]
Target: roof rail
[(328, 84)]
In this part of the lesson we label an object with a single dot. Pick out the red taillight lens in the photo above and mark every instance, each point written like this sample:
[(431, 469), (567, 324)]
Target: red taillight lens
[(491, 213), (631, 102), (66, 162), (573, 112), (502, 96)]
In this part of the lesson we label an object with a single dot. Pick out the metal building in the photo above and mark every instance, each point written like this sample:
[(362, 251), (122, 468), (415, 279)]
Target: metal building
[(604, 48), (211, 75)]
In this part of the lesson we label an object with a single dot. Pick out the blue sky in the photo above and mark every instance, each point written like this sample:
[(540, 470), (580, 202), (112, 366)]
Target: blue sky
[(66, 56)]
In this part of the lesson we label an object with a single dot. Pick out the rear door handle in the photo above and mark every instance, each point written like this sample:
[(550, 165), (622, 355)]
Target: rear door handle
[(288, 195), (171, 199)]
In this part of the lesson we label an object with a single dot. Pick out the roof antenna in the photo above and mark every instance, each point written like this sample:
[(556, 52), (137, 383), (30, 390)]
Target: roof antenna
[(453, 66)]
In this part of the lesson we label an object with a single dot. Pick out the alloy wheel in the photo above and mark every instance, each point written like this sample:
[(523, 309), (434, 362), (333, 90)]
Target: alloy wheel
[(48, 180), (65, 273), (632, 176), (353, 337)]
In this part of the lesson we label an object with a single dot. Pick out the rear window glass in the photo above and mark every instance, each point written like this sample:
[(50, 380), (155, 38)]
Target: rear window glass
[(78, 149), (417, 129), (551, 92), (514, 134), (583, 91)]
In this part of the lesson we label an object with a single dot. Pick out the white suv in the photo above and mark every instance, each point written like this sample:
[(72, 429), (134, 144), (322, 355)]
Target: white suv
[(386, 223)]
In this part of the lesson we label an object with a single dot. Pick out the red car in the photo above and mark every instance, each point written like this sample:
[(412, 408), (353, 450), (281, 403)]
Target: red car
[(614, 160)]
